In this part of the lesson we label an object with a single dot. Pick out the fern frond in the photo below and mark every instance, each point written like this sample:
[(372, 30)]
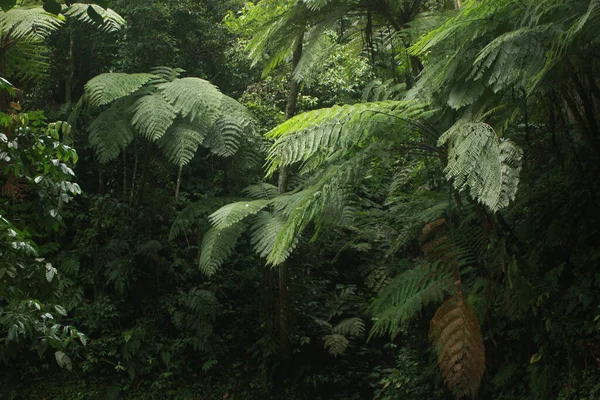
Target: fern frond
[(193, 98), (181, 141), (152, 116), (316, 5), (186, 219), (106, 88), (20, 23), (113, 22), (265, 231), (339, 127), (233, 122), (456, 336), (217, 246), (353, 327), (110, 132), (407, 294), (167, 74), (233, 213), (262, 191), (32, 53), (478, 160), (317, 47), (336, 344)]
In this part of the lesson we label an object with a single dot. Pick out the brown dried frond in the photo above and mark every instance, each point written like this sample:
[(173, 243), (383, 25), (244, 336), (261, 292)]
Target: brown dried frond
[(456, 336), (432, 228)]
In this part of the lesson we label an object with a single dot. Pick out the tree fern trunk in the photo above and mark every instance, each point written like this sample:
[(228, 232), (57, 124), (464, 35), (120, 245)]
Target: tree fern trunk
[(145, 171), (134, 176), (124, 154), (178, 182), (284, 273), (71, 69)]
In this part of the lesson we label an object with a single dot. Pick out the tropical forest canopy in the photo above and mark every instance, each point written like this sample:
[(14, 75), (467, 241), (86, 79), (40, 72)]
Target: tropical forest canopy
[(300, 199)]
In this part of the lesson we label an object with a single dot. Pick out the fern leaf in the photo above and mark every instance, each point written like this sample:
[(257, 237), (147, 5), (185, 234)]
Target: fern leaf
[(152, 116), (233, 213), (262, 191), (186, 219), (265, 231), (113, 22), (217, 246), (353, 327), (181, 141), (332, 129), (106, 88), (336, 344), (316, 5), (32, 53), (489, 167), (193, 98), (21, 23), (230, 126), (456, 336), (110, 132), (407, 294)]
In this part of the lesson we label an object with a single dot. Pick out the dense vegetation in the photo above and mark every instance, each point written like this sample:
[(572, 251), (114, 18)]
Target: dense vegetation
[(300, 199)]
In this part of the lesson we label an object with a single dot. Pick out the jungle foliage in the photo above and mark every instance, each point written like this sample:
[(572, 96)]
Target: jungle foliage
[(374, 199)]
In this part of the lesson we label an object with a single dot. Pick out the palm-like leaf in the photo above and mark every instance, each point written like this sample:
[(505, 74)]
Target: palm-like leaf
[(106, 88)]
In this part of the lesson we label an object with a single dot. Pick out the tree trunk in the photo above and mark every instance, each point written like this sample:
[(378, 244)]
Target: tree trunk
[(145, 171), (284, 273), (124, 153), (70, 70), (178, 182)]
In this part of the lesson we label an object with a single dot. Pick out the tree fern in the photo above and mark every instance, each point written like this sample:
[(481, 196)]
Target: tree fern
[(478, 160), (406, 295), (456, 336), (262, 191), (233, 213), (339, 127), (265, 231), (181, 141), (110, 132), (113, 22), (152, 116), (336, 344), (30, 24), (106, 88), (217, 246), (193, 98)]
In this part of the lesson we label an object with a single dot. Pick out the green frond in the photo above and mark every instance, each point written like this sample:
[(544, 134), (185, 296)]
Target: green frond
[(456, 336), (337, 128), (316, 5), (20, 23), (265, 231), (317, 47), (323, 202), (181, 141), (187, 218), (233, 213), (406, 295), (231, 125), (111, 132), (152, 116), (32, 53), (193, 98), (353, 327), (217, 246), (113, 22), (336, 344), (262, 191), (167, 74), (106, 88), (478, 160)]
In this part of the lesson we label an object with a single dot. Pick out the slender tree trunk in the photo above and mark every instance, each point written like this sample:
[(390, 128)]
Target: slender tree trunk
[(133, 177), (71, 69), (124, 153), (178, 182), (101, 180), (145, 171), (284, 273)]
